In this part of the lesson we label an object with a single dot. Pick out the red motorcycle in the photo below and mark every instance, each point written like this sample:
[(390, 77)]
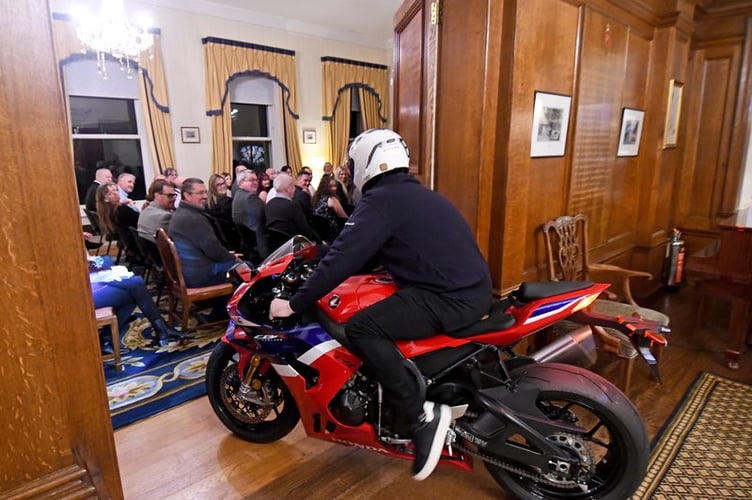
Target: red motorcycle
[(542, 428)]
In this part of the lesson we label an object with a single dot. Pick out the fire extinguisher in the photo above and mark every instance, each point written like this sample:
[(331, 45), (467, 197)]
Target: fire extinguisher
[(673, 264)]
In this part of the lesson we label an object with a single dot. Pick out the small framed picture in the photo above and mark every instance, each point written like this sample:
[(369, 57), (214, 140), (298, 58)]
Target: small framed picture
[(190, 134), (309, 136), (673, 113), (550, 124), (632, 121)]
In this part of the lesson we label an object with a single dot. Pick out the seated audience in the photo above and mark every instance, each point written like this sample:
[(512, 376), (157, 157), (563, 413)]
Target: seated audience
[(285, 215), (286, 169), (264, 185), (114, 215), (248, 211), (171, 174), (347, 193), (102, 176), (241, 166), (326, 205), (125, 184), (219, 206), (302, 196), (124, 292), (157, 214), (204, 260)]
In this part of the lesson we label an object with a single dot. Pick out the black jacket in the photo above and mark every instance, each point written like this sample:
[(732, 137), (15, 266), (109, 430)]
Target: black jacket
[(286, 216), (419, 237)]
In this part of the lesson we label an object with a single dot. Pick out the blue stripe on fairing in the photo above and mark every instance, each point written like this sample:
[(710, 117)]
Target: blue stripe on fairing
[(550, 309)]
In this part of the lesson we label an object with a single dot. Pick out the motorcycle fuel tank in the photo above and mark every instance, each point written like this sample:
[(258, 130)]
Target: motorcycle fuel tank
[(354, 294)]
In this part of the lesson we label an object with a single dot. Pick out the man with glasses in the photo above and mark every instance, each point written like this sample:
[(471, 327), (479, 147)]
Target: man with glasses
[(204, 260), (161, 198), (248, 211)]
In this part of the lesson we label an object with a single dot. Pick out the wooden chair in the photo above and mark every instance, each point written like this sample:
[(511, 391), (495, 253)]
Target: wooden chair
[(106, 317), (178, 292), (567, 254)]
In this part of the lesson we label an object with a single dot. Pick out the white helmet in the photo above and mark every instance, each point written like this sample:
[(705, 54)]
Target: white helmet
[(375, 152)]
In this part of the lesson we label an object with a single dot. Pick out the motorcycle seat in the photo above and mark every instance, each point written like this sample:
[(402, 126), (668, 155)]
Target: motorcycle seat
[(535, 290), (496, 320)]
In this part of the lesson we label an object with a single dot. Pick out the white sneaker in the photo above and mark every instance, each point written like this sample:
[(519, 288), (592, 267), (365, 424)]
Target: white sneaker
[(429, 438)]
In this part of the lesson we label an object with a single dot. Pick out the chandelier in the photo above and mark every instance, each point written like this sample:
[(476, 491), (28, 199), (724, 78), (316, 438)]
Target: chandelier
[(112, 34)]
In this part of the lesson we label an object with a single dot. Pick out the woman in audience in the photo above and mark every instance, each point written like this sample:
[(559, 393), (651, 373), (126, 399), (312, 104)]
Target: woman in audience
[(219, 203), (219, 206), (326, 204), (124, 291), (114, 217), (264, 185)]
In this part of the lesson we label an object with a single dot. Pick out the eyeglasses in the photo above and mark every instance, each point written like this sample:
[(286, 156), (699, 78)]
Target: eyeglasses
[(202, 192), (169, 195)]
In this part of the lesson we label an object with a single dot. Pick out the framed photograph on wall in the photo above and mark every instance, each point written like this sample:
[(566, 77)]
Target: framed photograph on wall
[(190, 134), (309, 136), (632, 121), (550, 124), (673, 113)]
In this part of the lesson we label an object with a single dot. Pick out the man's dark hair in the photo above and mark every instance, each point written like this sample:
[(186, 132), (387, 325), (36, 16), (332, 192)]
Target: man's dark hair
[(188, 184), (170, 171), (157, 187)]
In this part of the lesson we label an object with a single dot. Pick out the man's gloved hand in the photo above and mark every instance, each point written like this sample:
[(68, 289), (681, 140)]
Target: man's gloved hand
[(280, 308)]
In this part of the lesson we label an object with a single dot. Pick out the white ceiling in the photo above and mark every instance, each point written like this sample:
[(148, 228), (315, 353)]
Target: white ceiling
[(365, 22)]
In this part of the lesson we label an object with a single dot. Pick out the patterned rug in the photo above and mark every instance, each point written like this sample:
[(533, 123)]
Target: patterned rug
[(155, 379), (705, 449)]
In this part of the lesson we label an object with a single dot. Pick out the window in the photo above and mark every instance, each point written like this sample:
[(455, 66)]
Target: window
[(356, 117), (105, 134), (250, 134)]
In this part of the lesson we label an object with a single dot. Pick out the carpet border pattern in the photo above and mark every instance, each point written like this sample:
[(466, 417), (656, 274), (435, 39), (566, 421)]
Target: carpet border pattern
[(679, 425)]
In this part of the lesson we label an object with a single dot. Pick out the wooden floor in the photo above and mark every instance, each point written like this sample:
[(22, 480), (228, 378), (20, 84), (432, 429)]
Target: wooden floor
[(187, 453)]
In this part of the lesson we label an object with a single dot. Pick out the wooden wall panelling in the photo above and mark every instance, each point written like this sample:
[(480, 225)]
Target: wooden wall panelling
[(598, 115), (409, 82), (712, 95), (535, 188), (658, 166), (54, 417), (740, 130), (623, 217), (460, 103)]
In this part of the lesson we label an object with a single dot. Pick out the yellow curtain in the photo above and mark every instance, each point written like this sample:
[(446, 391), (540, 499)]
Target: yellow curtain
[(153, 88), (372, 82), (369, 107), (339, 128), (154, 100), (227, 59)]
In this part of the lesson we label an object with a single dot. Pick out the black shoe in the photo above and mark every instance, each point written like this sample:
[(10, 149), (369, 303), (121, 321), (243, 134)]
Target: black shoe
[(429, 437), (107, 348), (163, 334)]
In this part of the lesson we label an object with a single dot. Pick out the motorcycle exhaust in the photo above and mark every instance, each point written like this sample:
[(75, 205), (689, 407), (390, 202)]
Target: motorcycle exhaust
[(573, 348)]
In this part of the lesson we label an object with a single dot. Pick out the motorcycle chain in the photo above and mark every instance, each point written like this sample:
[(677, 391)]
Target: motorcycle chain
[(509, 467)]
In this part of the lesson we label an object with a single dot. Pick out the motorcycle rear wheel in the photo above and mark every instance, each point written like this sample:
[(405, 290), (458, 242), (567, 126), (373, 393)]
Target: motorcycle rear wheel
[(248, 420), (613, 441)]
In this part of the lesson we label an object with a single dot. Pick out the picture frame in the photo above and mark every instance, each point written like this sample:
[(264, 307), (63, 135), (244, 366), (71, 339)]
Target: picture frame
[(309, 136), (190, 135), (632, 123), (550, 124), (673, 113)]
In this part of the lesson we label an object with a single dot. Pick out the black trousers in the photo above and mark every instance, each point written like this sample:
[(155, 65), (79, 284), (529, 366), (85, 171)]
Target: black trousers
[(409, 314)]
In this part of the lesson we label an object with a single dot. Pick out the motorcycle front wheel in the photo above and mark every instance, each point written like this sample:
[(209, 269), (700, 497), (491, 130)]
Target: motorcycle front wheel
[(612, 446), (262, 414)]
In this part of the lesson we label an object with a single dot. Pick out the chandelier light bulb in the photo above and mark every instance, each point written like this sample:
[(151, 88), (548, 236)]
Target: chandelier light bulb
[(112, 34)]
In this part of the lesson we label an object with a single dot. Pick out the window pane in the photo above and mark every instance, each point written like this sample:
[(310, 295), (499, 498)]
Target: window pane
[(99, 115), (249, 120), (256, 153), (120, 155)]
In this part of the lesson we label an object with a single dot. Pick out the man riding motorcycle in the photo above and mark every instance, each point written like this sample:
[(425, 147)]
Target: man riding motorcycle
[(430, 251)]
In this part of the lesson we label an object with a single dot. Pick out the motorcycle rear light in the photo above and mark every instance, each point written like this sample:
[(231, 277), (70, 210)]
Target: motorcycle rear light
[(585, 302)]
